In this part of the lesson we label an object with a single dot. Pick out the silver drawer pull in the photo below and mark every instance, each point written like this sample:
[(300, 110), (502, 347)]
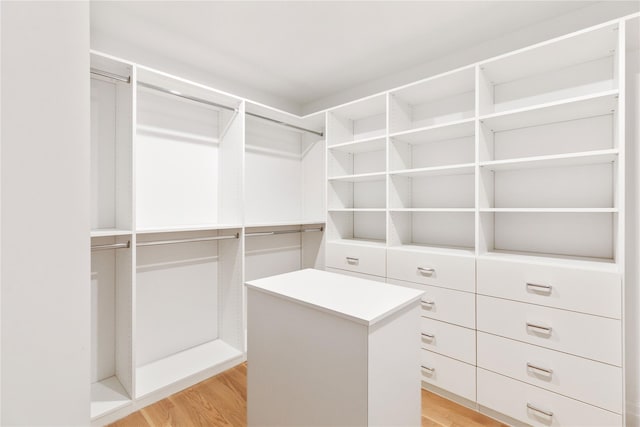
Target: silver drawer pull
[(427, 271), (546, 329), (538, 368), (428, 369), (427, 304), (538, 287), (352, 260), (533, 408), (428, 336)]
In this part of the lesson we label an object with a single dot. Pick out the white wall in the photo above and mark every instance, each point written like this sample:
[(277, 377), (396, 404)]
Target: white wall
[(563, 24), (45, 213)]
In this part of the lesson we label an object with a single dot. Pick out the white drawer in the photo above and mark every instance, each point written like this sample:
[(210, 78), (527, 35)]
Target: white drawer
[(448, 271), (592, 382), (449, 374), (354, 274), (587, 291), (449, 340), (447, 305), (597, 338), (358, 258), (511, 398)]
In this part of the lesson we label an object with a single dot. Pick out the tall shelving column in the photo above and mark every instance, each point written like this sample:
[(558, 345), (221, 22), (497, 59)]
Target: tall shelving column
[(432, 209), (112, 216), (549, 270)]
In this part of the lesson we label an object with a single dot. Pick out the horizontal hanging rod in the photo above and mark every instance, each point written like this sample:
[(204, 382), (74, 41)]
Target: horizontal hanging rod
[(315, 132), (111, 246), (271, 233), (97, 72), (197, 239), (189, 97)]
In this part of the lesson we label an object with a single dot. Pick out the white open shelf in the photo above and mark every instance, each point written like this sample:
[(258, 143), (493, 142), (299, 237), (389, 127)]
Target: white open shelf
[(433, 229), (358, 121), (106, 232), (162, 373), (449, 191), (463, 169), (283, 223), (179, 228), (437, 146), (356, 225), (437, 100), (361, 146), (357, 158), (566, 67), (571, 159), (363, 177), (580, 107), (361, 242)]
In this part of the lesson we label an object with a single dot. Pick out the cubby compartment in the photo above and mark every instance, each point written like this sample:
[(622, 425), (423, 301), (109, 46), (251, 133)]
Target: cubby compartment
[(111, 147), (188, 155), (573, 66), (357, 192), (575, 129), (357, 158), (588, 235), (284, 168), (437, 100), (358, 121), (445, 230), (188, 307), (437, 146), (357, 227), (454, 189), (551, 185), (111, 324)]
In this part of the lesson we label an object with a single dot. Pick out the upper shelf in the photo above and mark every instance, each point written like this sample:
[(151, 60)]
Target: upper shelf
[(363, 177), (441, 132), (597, 104), (571, 159), (563, 52), (364, 145)]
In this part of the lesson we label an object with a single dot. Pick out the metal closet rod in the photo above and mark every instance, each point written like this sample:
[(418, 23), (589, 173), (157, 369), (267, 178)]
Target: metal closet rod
[(271, 233), (189, 97), (315, 132), (111, 246), (196, 239), (97, 72)]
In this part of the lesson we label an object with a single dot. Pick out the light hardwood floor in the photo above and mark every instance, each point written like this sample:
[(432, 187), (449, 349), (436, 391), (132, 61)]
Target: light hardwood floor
[(221, 401)]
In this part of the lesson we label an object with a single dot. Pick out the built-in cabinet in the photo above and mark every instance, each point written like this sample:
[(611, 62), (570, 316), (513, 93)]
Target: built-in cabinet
[(497, 189), (501, 196)]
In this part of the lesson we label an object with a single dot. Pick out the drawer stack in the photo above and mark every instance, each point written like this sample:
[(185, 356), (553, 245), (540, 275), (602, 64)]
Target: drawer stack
[(550, 341), (448, 356)]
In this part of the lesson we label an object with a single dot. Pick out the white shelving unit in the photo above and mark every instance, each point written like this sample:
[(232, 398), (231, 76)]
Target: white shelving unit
[(514, 166)]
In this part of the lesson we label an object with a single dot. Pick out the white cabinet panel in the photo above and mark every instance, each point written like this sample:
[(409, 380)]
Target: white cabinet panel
[(597, 338), (447, 305), (449, 374), (449, 340), (527, 403), (592, 382), (584, 290), (358, 258), (454, 272)]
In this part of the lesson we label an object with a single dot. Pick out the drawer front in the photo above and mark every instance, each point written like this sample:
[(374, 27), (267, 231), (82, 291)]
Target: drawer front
[(597, 338), (449, 374), (526, 403), (453, 272), (592, 382), (449, 340), (354, 274), (358, 258), (447, 305), (586, 291)]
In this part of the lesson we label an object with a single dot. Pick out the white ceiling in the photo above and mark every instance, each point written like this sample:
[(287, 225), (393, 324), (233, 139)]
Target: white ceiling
[(305, 51)]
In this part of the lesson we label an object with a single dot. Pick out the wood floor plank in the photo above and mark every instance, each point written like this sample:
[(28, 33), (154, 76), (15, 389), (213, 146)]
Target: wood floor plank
[(221, 401)]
